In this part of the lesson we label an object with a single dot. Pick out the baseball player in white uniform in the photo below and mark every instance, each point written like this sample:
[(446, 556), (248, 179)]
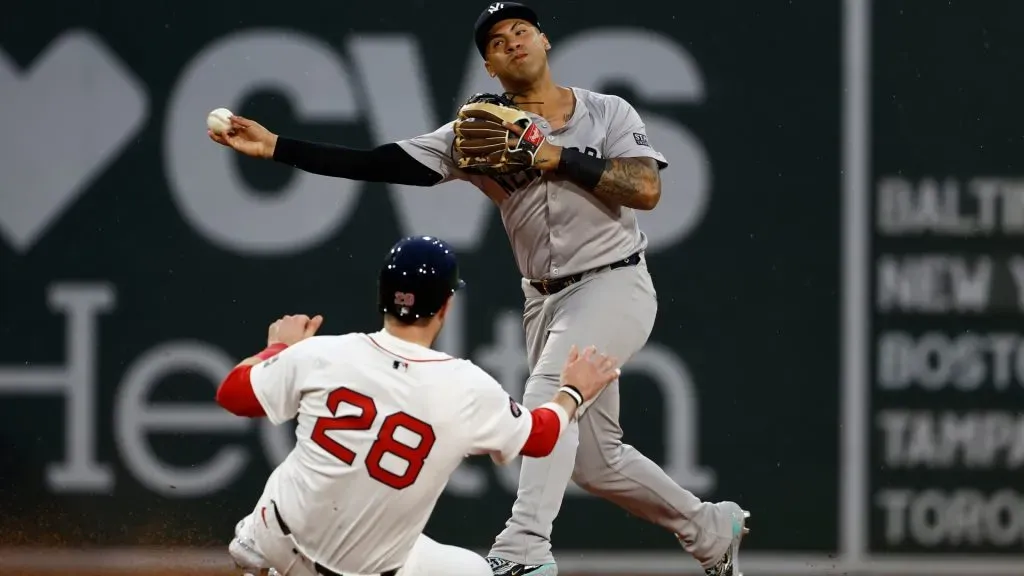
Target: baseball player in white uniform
[(382, 422), (568, 177)]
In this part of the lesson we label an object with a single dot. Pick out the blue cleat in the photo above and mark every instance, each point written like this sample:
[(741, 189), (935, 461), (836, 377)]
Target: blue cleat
[(728, 565)]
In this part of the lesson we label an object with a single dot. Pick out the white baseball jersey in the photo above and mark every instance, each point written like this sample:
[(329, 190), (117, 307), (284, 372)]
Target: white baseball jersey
[(381, 425), (555, 227)]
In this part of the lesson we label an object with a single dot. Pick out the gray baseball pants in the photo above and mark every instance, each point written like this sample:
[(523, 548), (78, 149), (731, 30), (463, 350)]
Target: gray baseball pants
[(615, 311)]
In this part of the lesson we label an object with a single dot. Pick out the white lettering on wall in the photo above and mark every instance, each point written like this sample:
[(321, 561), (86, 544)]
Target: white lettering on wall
[(203, 176), (981, 206), (934, 283), (933, 518), (981, 439), (76, 381), (934, 360), (135, 417)]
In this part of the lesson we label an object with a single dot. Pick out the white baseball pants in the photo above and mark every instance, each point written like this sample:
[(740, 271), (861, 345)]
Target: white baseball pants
[(258, 545)]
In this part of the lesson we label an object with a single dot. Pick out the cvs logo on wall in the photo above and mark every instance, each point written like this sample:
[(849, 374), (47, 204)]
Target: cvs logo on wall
[(82, 91), (66, 118)]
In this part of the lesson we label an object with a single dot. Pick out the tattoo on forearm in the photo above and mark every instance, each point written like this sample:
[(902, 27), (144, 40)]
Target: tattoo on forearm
[(625, 179)]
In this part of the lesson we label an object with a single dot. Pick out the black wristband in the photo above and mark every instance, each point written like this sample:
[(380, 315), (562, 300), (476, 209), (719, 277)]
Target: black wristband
[(580, 168)]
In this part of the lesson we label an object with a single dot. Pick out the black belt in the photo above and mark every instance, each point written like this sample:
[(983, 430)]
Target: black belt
[(549, 287), (320, 568)]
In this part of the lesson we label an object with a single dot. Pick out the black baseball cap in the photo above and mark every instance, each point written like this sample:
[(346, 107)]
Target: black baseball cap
[(497, 12)]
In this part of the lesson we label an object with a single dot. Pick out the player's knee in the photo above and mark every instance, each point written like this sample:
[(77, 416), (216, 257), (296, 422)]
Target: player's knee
[(244, 553), (462, 562), (433, 557), (593, 479), (477, 566), (589, 480), (597, 465)]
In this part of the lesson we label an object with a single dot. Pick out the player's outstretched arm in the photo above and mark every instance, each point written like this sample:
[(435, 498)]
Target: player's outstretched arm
[(386, 163)]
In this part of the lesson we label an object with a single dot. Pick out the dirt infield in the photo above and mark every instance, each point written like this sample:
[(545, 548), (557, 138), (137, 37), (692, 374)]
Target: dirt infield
[(151, 572), (148, 561)]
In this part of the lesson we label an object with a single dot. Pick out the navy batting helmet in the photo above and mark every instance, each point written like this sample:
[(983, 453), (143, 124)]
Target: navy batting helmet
[(418, 276)]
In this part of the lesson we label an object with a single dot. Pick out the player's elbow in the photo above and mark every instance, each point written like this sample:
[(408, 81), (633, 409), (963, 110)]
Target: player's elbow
[(647, 193), (226, 399), (544, 434), (649, 190), (236, 395), (539, 449), (648, 197)]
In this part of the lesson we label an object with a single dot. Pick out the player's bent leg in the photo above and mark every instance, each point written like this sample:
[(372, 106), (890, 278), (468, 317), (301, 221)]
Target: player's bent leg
[(613, 310), (431, 558), (621, 474)]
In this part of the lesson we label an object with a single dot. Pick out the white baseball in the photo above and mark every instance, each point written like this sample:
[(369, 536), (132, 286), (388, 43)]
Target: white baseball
[(219, 120)]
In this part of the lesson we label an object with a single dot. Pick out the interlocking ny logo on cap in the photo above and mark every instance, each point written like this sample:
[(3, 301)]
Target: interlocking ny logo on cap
[(495, 7)]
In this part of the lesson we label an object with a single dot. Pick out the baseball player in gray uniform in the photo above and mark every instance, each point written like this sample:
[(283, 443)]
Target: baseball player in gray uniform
[(572, 224)]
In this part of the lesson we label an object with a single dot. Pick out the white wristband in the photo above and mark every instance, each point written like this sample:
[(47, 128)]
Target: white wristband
[(563, 416), (573, 393)]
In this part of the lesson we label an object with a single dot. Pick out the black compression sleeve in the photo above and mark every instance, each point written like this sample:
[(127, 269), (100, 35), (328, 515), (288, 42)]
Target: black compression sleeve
[(386, 163)]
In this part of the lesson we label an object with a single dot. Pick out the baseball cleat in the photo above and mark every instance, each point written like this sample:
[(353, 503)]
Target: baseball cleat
[(502, 567), (729, 565)]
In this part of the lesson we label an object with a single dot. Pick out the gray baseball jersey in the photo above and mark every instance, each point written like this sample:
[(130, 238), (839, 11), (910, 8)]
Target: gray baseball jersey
[(558, 229), (555, 227)]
